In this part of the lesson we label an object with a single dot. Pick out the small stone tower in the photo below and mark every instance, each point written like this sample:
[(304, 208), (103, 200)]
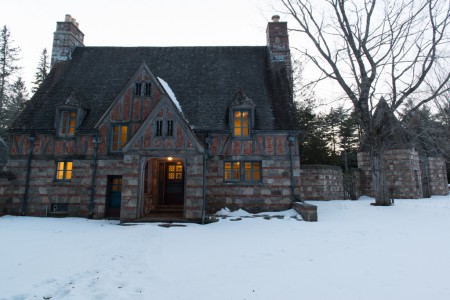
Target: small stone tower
[(66, 37)]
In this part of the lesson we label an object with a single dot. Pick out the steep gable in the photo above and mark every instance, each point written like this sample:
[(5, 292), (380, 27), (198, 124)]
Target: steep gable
[(156, 133)]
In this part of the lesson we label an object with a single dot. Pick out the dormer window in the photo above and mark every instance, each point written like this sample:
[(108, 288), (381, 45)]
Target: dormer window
[(69, 115), (241, 115), (67, 123), (241, 124)]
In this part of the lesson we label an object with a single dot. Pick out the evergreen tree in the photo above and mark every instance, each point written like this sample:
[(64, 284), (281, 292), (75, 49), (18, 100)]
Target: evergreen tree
[(42, 70), (8, 58), (349, 140), (14, 104), (313, 145)]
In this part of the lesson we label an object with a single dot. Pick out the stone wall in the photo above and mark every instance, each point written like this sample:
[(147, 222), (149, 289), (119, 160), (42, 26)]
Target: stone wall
[(438, 181), (44, 191), (403, 173), (273, 193), (319, 182)]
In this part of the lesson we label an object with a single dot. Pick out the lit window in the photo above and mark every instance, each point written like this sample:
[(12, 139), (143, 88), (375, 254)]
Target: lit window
[(119, 137), (67, 124), (232, 171), (64, 170), (175, 172), (251, 171), (241, 124)]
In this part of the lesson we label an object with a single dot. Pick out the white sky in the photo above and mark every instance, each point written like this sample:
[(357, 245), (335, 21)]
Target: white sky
[(135, 23), (138, 23)]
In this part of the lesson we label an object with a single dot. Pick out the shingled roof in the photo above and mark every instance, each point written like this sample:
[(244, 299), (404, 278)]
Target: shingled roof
[(204, 80)]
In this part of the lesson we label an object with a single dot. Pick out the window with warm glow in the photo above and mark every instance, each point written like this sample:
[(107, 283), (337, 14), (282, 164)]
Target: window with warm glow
[(241, 124), (64, 170), (242, 171), (67, 123), (119, 137), (175, 172)]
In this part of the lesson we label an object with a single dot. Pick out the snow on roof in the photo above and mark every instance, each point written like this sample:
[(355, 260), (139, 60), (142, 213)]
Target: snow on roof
[(170, 93)]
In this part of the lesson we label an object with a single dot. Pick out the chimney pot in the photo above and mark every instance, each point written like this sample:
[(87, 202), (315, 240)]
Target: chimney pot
[(275, 18), (68, 18)]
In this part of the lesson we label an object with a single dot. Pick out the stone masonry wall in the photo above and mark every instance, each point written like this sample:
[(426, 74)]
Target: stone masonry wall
[(321, 182), (273, 193), (403, 173), (44, 190), (438, 181), (193, 198)]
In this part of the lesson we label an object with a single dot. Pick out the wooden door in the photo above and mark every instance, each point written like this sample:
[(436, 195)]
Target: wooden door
[(171, 184)]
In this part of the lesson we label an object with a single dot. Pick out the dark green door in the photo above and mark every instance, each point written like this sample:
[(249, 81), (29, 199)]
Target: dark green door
[(114, 196)]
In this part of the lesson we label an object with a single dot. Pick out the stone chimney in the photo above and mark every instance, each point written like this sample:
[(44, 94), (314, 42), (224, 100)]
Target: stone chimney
[(66, 37)]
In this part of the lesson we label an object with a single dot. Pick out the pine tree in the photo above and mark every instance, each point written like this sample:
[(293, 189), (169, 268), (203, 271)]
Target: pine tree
[(14, 104), (42, 70), (8, 58)]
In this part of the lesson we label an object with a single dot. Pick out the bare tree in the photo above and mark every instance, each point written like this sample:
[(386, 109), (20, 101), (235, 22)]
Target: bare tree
[(378, 52)]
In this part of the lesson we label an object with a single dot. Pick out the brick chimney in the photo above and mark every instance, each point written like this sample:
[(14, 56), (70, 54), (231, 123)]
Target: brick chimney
[(278, 41), (66, 37), (279, 55)]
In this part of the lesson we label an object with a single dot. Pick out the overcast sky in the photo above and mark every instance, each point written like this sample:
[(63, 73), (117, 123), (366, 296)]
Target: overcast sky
[(135, 23)]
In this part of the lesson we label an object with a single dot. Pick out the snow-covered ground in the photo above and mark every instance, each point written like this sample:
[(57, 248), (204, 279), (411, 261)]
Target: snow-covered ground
[(355, 251)]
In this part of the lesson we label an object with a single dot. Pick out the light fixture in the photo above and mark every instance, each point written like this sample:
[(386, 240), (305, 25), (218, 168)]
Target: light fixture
[(170, 158)]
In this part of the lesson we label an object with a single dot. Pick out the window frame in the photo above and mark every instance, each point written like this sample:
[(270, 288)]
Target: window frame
[(235, 171), (170, 127), (66, 122), (138, 89), (159, 128), (117, 146), (148, 87), (242, 127), (67, 174)]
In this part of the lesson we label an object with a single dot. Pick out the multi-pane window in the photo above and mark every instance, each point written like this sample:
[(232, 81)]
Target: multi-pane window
[(241, 124), (64, 170), (170, 128), (138, 88), (159, 125), (67, 124), (119, 137), (242, 171), (252, 170), (148, 89), (175, 172)]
